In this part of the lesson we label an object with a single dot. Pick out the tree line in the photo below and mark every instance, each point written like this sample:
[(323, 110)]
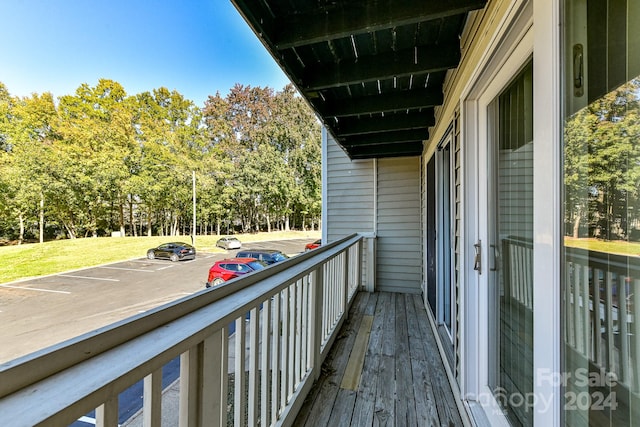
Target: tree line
[(602, 167), (101, 161)]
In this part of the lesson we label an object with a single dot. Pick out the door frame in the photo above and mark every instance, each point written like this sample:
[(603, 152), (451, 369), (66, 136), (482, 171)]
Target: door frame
[(545, 45), (445, 224), (511, 48)]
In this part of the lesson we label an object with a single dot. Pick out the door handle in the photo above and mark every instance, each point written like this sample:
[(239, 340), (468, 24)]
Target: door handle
[(496, 258), (477, 259)]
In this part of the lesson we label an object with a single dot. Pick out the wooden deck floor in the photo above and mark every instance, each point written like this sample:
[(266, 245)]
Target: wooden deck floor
[(400, 381)]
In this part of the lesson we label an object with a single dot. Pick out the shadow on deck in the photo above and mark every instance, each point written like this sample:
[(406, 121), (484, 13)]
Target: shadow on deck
[(384, 369)]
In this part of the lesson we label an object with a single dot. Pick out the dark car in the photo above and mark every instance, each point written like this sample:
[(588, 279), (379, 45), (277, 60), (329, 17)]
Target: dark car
[(175, 251), (268, 256), (228, 269), (313, 245), (229, 243)]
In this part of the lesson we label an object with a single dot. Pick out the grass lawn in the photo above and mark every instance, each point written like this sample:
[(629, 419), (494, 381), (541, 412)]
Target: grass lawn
[(35, 259), (613, 246)]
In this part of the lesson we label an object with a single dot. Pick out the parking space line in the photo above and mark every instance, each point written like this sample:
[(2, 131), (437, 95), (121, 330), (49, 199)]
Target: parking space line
[(164, 268), (35, 289), (128, 269), (88, 278), (88, 420)]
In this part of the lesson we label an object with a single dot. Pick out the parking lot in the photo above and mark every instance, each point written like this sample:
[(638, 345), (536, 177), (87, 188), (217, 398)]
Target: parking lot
[(45, 311)]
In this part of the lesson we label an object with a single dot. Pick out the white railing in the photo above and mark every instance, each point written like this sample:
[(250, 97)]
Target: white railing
[(602, 308), (286, 318)]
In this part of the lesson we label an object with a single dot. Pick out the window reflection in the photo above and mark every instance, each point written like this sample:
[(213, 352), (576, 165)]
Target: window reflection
[(601, 282)]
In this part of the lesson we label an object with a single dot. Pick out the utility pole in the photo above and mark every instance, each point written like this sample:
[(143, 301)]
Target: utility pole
[(193, 230)]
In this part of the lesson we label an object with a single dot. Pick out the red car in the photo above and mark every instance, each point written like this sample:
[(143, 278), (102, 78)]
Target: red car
[(228, 269), (312, 245)]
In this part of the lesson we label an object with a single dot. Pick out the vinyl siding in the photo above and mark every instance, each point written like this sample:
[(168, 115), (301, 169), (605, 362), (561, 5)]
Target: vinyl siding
[(399, 247), (350, 201), (381, 197)]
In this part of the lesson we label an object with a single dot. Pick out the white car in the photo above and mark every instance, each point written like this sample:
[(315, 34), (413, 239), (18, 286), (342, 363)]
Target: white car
[(229, 243)]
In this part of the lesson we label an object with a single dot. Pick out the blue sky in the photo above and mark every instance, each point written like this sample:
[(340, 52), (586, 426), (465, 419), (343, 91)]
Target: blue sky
[(196, 47)]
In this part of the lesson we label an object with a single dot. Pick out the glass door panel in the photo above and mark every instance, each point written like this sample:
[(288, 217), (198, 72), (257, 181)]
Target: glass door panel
[(601, 278), (510, 231)]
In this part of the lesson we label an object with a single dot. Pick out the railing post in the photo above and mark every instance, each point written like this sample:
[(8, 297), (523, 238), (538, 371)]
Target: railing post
[(370, 254)]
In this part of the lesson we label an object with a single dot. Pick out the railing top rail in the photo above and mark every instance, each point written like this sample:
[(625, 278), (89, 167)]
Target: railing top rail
[(622, 264), (236, 295)]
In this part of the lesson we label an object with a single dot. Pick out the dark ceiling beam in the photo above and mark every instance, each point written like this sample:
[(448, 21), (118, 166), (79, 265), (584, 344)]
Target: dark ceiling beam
[(389, 102), (404, 63), (258, 17), (393, 137), (392, 122), (365, 16), (380, 151)]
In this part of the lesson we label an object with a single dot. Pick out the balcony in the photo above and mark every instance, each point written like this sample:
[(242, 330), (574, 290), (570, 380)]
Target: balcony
[(384, 369), (291, 332)]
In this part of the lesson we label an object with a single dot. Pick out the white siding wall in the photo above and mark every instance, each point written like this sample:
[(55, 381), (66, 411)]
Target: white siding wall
[(349, 193), (516, 177), (399, 246), (381, 197)]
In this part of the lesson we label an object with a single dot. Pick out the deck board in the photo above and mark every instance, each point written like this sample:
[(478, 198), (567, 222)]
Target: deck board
[(403, 381)]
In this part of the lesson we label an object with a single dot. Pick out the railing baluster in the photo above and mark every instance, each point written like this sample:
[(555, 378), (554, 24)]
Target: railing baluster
[(315, 332), (254, 325), (635, 335), (239, 381), (291, 354), (597, 339), (284, 355), (275, 360), (224, 374), (622, 328), (305, 326), (530, 275), (298, 335), (609, 328), (586, 311), (264, 363), (326, 301), (107, 413), (566, 305), (152, 399), (576, 310), (344, 294)]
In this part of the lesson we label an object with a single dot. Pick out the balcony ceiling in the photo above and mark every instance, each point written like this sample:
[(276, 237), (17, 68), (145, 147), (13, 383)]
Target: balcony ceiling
[(372, 70)]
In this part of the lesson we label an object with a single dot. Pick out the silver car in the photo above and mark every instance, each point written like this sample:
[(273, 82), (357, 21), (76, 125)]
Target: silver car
[(229, 243)]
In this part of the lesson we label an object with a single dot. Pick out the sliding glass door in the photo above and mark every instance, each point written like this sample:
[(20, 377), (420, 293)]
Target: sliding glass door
[(510, 248), (601, 280)]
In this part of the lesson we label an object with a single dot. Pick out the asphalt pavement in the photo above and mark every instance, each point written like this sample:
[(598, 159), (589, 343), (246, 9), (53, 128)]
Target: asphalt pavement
[(44, 311)]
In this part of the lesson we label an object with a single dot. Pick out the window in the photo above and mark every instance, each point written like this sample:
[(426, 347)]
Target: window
[(601, 280)]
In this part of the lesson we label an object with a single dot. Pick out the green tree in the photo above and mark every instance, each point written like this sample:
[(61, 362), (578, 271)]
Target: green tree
[(98, 132), (602, 161), (28, 136)]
